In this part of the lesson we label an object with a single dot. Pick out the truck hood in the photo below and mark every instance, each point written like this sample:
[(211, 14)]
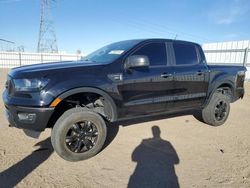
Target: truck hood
[(45, 68)]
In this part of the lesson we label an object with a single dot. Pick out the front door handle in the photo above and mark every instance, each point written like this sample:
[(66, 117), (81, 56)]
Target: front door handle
[(199, 73), (165, 75)]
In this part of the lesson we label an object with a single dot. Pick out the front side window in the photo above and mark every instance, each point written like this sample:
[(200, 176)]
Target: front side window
[(156, 52), (185, 54), (110, 52)]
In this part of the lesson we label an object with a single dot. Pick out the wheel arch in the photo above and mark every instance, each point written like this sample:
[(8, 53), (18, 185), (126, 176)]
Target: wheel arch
[(106, 96), (221, 84)]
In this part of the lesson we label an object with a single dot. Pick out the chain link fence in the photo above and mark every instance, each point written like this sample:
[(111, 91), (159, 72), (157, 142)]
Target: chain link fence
[(232, 53), (16, 59), (234, 57)]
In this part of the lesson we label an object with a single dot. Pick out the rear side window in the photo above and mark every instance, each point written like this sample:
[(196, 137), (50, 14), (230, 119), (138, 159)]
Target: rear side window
[(185, 54), (156, 52), (202, 56)]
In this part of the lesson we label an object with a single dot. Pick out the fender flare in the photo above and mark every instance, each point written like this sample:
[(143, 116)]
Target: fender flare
[(215, 87), (105, 95)]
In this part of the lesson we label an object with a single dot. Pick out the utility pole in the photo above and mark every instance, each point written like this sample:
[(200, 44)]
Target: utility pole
[(47, 37)]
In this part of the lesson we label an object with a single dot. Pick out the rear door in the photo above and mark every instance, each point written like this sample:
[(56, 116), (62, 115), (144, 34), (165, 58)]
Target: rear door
[(146, 90), (191, 76)]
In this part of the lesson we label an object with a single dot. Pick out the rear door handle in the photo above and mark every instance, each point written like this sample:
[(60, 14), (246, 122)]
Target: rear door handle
[(165, 75), (199, 73)]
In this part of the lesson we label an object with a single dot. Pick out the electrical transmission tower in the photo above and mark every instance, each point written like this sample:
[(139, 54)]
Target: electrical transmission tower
[(47, 36)]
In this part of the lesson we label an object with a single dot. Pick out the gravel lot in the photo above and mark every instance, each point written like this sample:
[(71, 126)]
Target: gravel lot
[(189, 153)]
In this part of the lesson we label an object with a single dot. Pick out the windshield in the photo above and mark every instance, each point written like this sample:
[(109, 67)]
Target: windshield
[(110, 52)]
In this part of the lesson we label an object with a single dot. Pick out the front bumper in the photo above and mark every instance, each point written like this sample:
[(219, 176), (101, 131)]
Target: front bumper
[(37, 121)]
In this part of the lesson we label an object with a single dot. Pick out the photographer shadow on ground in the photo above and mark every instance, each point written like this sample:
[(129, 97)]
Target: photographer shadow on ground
[(16, 173), (155, 160)]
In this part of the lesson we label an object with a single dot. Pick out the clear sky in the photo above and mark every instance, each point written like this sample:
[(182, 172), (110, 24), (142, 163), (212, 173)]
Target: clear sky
[(90, 24)]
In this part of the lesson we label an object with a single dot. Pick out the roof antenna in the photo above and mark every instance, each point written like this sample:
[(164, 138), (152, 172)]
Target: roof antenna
[(175, 36)]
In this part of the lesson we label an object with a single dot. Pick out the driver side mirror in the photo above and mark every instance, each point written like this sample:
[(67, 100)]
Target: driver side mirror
[(136, 61)]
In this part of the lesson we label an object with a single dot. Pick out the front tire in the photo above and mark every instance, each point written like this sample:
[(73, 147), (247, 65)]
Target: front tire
[(78, 134), (216, 112)]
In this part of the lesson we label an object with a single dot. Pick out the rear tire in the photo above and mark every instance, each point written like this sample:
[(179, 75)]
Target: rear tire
[(216, 112), (78, 134)]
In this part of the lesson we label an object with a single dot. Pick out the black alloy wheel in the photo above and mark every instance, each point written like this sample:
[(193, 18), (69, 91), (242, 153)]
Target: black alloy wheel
[(220, 111), (81, 136)]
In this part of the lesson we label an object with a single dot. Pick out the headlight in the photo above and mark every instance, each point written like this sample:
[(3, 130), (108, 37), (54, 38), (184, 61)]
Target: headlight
[(30, 84)]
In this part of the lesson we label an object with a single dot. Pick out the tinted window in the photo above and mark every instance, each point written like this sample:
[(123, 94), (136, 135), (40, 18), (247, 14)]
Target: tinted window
[(185, 54), (156, 52), (110, 52), (202, 55)]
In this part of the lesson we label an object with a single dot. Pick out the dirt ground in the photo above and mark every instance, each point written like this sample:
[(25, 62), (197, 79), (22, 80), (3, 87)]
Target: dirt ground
[(189, 153)]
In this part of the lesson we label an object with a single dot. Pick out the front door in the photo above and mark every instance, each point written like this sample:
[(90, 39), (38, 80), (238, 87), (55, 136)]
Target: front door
[(147, 90)]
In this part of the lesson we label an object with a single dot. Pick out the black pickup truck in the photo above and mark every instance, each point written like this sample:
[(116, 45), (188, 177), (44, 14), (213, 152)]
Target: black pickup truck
[(127, 79)]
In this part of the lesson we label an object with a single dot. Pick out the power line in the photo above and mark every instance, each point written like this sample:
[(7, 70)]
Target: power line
[(7, 45), (157, 28), (9, 1), (8, 41)]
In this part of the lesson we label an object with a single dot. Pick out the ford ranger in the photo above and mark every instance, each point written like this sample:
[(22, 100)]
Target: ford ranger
[(123, 80)]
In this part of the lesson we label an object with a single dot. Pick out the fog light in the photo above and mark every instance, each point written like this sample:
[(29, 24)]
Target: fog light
[(27, 117)]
